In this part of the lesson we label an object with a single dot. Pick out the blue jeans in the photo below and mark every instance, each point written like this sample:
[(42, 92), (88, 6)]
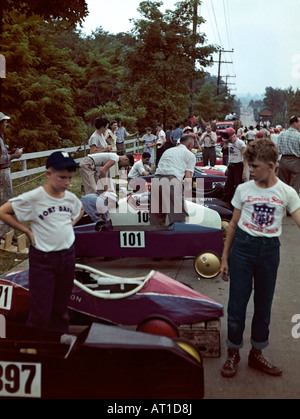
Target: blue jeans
[(253, 263), (51, 277)]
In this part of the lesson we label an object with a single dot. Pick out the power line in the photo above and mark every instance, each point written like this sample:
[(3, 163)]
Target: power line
[(227, 28), (221, 43), (229, 23), (213, 9), (210, 21), (226, 5), (221, 49), (226, 24)]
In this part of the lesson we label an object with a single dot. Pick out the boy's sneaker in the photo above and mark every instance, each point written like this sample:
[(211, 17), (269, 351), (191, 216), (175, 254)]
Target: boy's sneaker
[(229, 369), (257, 361)]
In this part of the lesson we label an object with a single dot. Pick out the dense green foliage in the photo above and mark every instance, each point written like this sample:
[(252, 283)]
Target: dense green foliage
[(70, 11), (282, 103), (59, 80), (160, 65)]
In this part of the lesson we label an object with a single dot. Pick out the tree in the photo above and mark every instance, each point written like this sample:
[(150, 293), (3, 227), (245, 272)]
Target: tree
[(98, 55), (129, 117), (159, 66), (208, 105), (71, 11), (276, 100), (294, 104), (38, 92)]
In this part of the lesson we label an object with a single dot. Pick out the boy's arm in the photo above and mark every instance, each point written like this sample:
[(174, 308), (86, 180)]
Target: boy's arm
[(230, 233), (106, 167), (7, 216), (296, 217), (79, 216)]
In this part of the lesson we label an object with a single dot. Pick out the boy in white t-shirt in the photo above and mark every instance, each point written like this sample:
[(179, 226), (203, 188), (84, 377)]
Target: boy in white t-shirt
[(51, 211), (251, 253), (236, 171), (141, 167)]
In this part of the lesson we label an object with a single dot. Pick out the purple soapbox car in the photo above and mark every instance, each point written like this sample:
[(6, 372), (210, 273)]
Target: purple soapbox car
[(173, 241), (118, 300)]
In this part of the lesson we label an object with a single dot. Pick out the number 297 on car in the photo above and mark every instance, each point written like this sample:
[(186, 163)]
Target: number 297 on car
[(20, 379)]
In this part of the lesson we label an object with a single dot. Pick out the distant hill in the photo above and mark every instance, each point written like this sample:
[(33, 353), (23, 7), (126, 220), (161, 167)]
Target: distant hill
[(246, 98)]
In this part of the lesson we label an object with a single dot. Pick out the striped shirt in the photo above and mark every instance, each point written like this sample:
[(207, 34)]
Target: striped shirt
[(288, 143)]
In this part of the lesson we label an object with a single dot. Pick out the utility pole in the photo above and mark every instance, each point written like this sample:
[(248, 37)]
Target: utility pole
[(221, 51), (227, 84)]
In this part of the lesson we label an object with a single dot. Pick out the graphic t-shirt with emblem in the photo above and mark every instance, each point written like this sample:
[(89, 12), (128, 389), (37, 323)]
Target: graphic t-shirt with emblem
[(235, 151), (263, 209)]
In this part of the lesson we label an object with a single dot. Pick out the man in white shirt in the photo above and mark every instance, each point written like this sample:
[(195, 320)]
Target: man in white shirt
[(141, 167), (167, 197), (250, 135), (160, 143), (208, 143)]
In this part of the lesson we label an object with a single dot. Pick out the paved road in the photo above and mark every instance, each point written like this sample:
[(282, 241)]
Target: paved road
[(247, 117), (284, 350)]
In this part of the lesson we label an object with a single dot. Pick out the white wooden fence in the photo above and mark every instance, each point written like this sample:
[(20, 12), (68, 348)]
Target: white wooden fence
[(31, 156)]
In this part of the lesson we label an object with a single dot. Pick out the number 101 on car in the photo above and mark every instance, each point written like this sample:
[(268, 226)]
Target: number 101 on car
[(132, 239)]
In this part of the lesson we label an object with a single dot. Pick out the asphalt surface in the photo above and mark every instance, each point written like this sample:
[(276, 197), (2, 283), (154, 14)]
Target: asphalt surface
[(247, 117), (284, 349)]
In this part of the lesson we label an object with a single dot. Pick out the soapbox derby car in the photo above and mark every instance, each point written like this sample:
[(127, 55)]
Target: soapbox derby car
[(135, 210), (177, 240), (118, 300), (212, 178), (97, 362)]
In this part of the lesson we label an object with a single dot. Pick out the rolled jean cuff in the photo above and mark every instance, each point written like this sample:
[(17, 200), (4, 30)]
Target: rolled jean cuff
[(259, 345), (233, 346)]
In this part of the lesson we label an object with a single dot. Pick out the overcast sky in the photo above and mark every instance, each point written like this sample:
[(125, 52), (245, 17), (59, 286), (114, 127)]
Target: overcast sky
[(264, 34)]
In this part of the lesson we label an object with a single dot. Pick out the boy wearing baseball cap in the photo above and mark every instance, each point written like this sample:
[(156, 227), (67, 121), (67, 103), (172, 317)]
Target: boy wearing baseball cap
[(236, 172), (51, 211)]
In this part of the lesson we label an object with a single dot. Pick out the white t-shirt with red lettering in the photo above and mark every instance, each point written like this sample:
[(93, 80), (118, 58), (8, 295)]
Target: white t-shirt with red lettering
[(235, 151), (263, 209)]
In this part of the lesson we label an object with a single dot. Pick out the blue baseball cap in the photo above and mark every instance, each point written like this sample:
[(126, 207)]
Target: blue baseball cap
[(60, 160)]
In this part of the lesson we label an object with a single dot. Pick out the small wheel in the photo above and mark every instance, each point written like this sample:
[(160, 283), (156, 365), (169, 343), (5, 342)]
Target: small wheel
[(207, 265), (224, 227), (189, 348)]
